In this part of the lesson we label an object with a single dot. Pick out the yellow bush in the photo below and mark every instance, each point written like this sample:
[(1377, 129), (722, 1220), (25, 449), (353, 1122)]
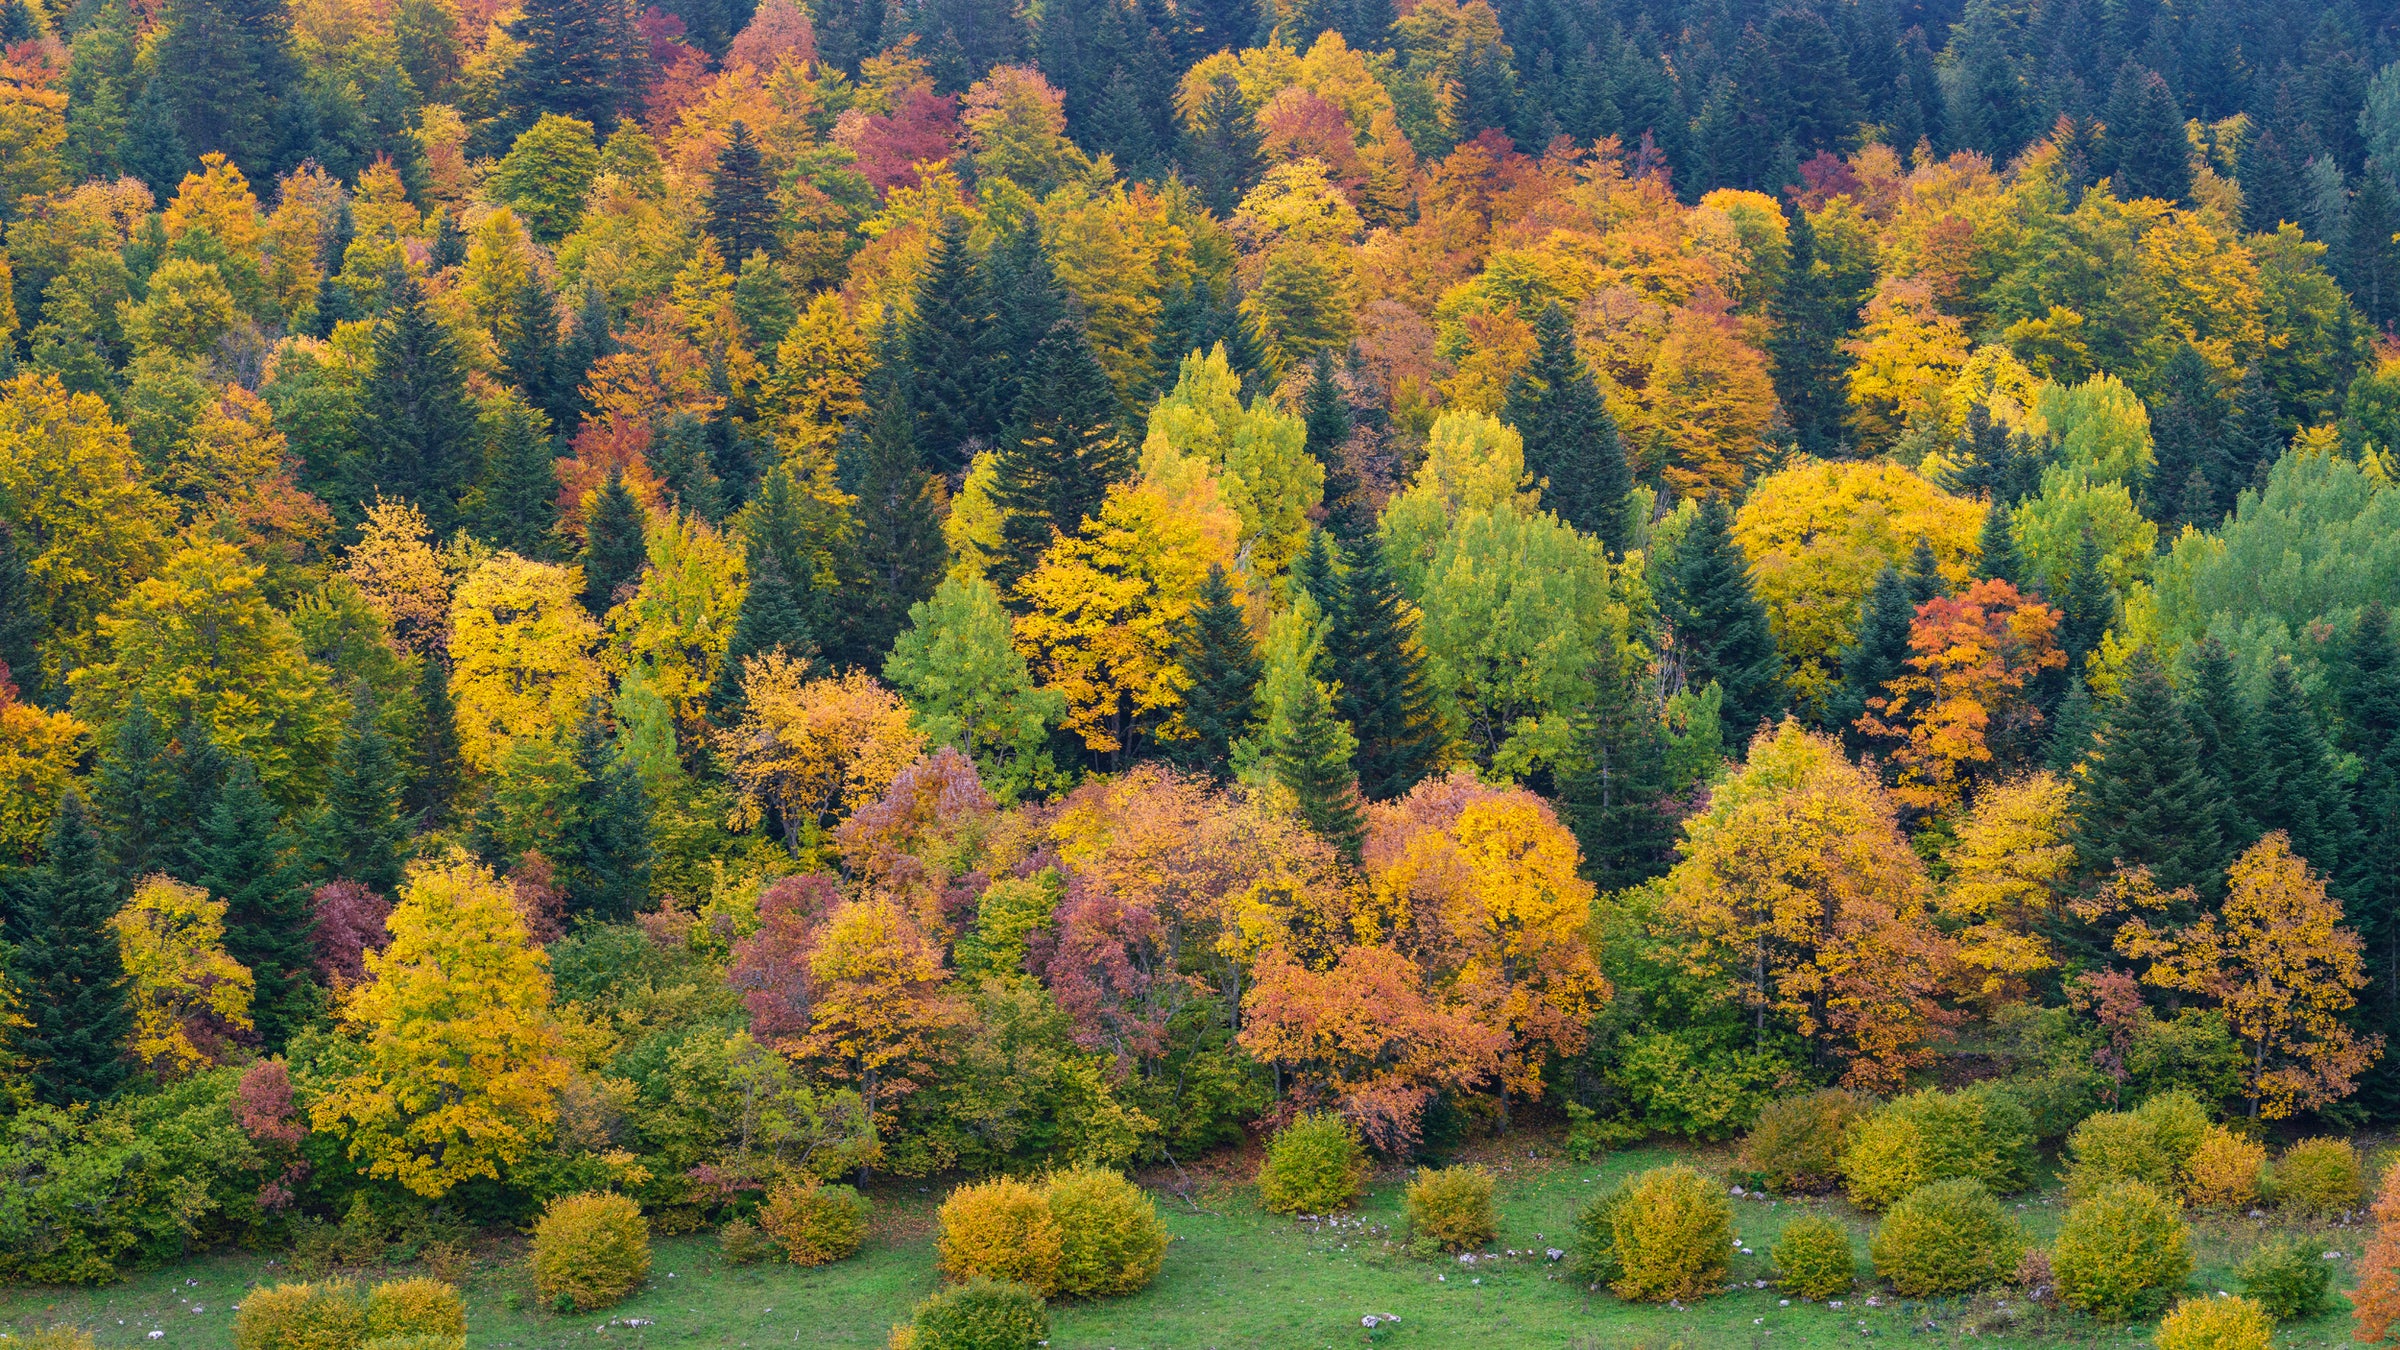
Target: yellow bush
[(2120, 1253), (1315, 1165), (1450, 1209), (324, 1316), (2116, 1146), (1002, 1228), (1946, 1237), (1796, 1147), (981, 1314), (814, 1223), (1983, 1133), (1111, 1239), (61, 1338), (418, 1307), (590, 1251), (2225, 1171), (2318, 1176), (1813, 1257), (2180, 1122), (2217, 1324), (1674, 1233), (416, 1343)]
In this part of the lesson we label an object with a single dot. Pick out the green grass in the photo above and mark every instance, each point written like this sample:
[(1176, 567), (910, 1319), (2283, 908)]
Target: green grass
[(1235, 1279)]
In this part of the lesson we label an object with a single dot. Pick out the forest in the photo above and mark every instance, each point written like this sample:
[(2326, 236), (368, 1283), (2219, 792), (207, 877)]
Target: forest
[(721, 606)]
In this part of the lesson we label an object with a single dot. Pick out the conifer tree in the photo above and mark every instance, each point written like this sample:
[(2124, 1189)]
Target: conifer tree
[(154, 149), (433, 769), (357, 833), (416, 422), (772, 619), (516, 502), (1310, 755), (1325, 413), (225, 69), (741, 201), (529, 343), (2369, 265), (268, 918), (135, 795), (2087, 604), (1371, 646), (2187, 428), (200, 769), (1571, 443), (2073, 730), (604, 849), (1997, 558), (2142, 800), (2224, 727), (2301, 792), (66, 973), (2254, 436), (1811, 320), (951, 340), (587, 340), (1060, 455), (20, 624), (2270, 183), (1719, 626), (2370, 704), (1611, 790), (2147, 151), (1224, 151), (1315, 574), (449, 244), (1027, 302), (1879, 652), (896, 552), (680, 455), (614, 552), (577, 62), (1223, 663)]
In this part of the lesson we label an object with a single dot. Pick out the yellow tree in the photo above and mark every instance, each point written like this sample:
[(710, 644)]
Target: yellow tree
[(675, 629), (877, 1002), (2007, 865), (818, 384), (1905, 356), (1968, 690), (461, 1065), (1258, 456), (394, 566), (1708, 402), (39, 753), (808, 752), (1115, 251), (189, 997), (2286, 972), (521, 655)]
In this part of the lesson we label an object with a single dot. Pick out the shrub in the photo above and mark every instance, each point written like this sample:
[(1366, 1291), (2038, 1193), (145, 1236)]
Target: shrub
[(1673, 1230), (1813, 1257), (2318, 1176), (2288, 1280), (61, 1338), (1314, 1165), (742, 1242), (1796, 1147), (2116, 1146), (1002, 1228), (328, 1315), (2180, 1122), (1450, 1209), (1111, 1239), (2225, 1171), (1946, 1237), (2121, 1252), (590, 1250), (814, 1223), (1980, 1133), (982, 1314), (1594, 1258), (418, 1307), (416, 1343), (2217, 1324)]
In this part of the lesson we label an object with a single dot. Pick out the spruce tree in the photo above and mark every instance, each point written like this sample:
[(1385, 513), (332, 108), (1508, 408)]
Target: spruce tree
[(604, 849), (2187, 427), (226, 70), (578, 61), (680, 455), (1223, 663), (2254, 436), (2303, 794), (1611, 790), (1812, 318), (2073, 730), (1310, 755), (1571, 443), (20, 621), (741, 200), (1027, 302), (1997, 558), (2224, 726), (449, 245), (1062, 451), (771, 620), (2087, 604), (357, 831), (1371, 647), (200, 769), (2146, 149), (2369, 262), (2370, 704), (2142, 800), (1876, 655), (950, 340), (587, 340), (614, 552), (416, 422), (1315, 574), (1224, 152), (529, 342), (516, 500), (66, 973), (135, 795), (268, 918), (154, 150), (2270, 182), (896, 551), (1325, 413), (433, 771), (1720, 628)]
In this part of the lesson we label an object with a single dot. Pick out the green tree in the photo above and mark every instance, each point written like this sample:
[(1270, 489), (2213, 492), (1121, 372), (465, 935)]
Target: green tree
[(2224, 728), (896, 550), (1812, 317), (2142, 800), (614, 551), (135, 794), (1308, 750), (577, 62), (433, 771), (415, 423), (20, 619), (1720, 629), (770, 620), (1062, 451), (741, 201), (1613, 783), (2370, 706), (1222, 662), (1571, 443), (225, 70), (604, 847), (952, 351), (546, 174), (1224, 150), (268, 919), (1879, 652), (516, 501), (65, 971), (1384, 697), (2187, 427), (1325, 414), (2147, 152), (357, 834), (2304, 794), (967, 685), (2087, 605)]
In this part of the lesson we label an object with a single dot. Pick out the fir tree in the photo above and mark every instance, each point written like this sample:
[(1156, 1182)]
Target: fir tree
[(1310, 755), (66, 973), (577, 62), (516, 501), (1060, 455), (771, 620), (2270, 183), (1223, 663), (2142, 800), (416, 422), (896, 550), (200, 769), (604, 849), (2147, 152), (1612, 788), (587, 340), (1720, 628), (155, 151), (2087, 604), (2254, 436), (1371, 646), (1325, 412), (1924, 574), (741, 201), (20, 622), (950, 340), (529, 342), (2369, 262), (1996, 556), (2187, 427), (1812, 318), (268, 918), (1224, 151), (681, 457), (357, 833), (1879, 652), (135, 795), (433, 771), (225, 68), (2074, 729), (1316, 575), (2370, 704), (1027, 302), (2302, 792), (614, 552), (1571, 443), (2223, 726)]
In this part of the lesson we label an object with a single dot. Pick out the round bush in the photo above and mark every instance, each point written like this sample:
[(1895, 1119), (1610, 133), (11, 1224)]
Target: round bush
[(1674, 1232), (2318, 1176), (2116, 1146), (2225, 1171), (1813, 1257), (1003, 1229), (1450, 1209), (2120, 1253), (742, 1242), (418, 1307), (2180, 1122), (1796, 1147), (814, 1223), (1112, 1241), (1982, 1133), (1594, 1256), (328, 1315), (416, 1343), (590, 1251), (2290, 1281), (2217, 1324), (982, 1314), (1946, 1237), (61, 1337), (1315, 1165)]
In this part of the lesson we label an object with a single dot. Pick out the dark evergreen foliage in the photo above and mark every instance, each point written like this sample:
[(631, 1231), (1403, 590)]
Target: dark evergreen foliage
[(772, 619), (1306, 755), (1223, 663), (357, 834), (1571, 443), (896, 548), (741, 202), (1719, 627), (416, 423), (1996, 556), (243, 861), (1370, 645), (1611, 791), (2142, 800), (604, 850), (614, 552), (952, 351), (134, 794), (1223, 153), (67, 977), (1063, 449), (20, 621)]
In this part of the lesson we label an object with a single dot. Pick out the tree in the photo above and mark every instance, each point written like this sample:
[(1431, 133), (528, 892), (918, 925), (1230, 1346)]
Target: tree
[(416, 423), (807, 752), (2087, 605), (1062, 451), (1966, 699), (2147, 152), (225, 68), (1571, 443), (521, 655), (2300, 792), (878, 1003), (614, 552), (2225, 729), (577, 62), (20, 620), (2370, 704), (1223, 151), (269, 926), (1812, 316), (1222, 663), (358, 833), (604, 850), (896, 551), (40, 753), (2142, 800), (135, 795), (1996, 556), (1384, 696), (188, 996), (516, 499), (953, 361), (2376, 1301), (1308, 751), (1719, 629), (1257, 457), (2008, 867), (2285, 971), (1876, 655), (741, 204), (460, 1066), (2187, 426), (66, 973), (1612, 786), (771, 620)]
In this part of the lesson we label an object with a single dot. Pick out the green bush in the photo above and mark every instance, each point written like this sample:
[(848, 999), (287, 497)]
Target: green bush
[(1946, 1237), (1111, 1239), (2318, 1176), (328, 1315), (1315, 1165), (2116, 1146), (1674, 1233), (1002, 1229), (416, 1343), (2217, 1324), (982, 1314), (2121, 1253), (1450, 1209), (590, 1251), (1796, 1147), (61, 1338), (1813, 1257), (418, 1307), (1980, 1133), (1593, 1258), (2290, 1281), (814, 1223), (742, 1243), (2180, 1122)]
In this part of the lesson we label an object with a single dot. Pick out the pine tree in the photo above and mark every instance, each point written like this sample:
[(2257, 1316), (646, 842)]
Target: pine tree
[(587, 340), (225, 69), (896, 550), (680, 455), (577, 62), (416, 422), (1571, 443), (1310, 755), (357, 832), (516, 501), (1720, 628), (268, 918), (1996, 557), (2087, 604), (1224, 151), (200, 769), (2254, 436), (2187, 427), (1811, 320), (614, 552), (2302, 792), (2369, 261), (1879, 652), (154, 149), (2142, 800), (20, 622), (1223, 663), (1027, 302), (2147, 152), (604, 850), (2224, 727), (741, 201), (950, 340), (1612, 788), (449, 244), (771, 620), (135, 795), (2073, 730), (1924, 573), (66, 973), (1060, 455), (529, 343), (2370, 705), (433, 771), (1325, 412), (1371, 646), (1316, 575)]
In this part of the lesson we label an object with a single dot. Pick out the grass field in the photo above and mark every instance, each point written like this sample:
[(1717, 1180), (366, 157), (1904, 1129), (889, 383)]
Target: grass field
[(1235, 1279)]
